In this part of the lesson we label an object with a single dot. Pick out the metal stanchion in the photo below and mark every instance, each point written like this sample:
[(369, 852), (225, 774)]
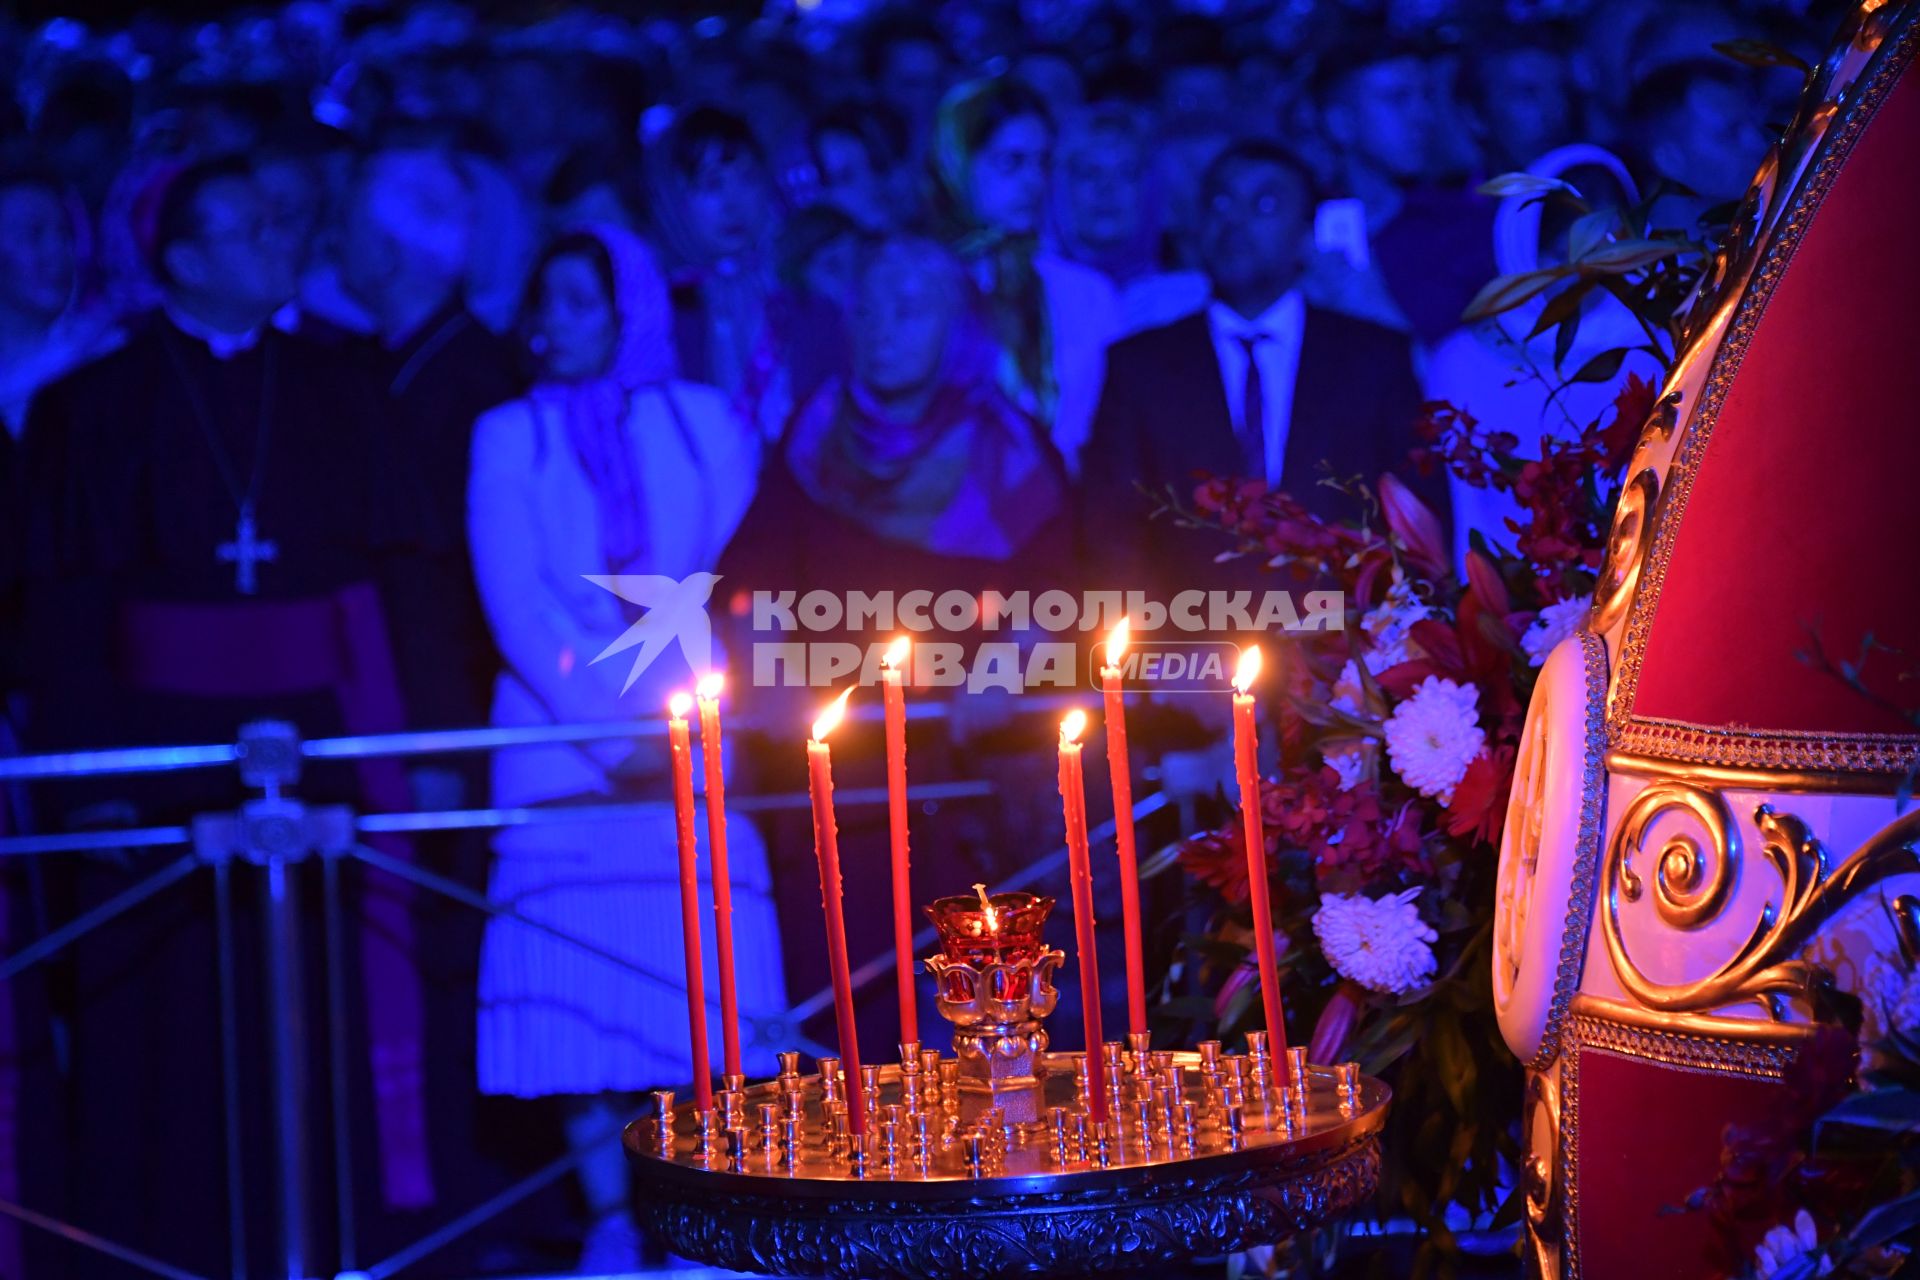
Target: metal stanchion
[(337, 1061), (230, 1067), (286, 997), (99, 1244), (275, 834), (120, 903)]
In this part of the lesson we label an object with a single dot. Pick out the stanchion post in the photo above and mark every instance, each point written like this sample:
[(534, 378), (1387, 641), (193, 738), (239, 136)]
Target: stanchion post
[(286, 1013)]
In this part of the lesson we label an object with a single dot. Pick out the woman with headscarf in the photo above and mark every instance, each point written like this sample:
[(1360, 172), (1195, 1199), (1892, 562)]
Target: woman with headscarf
[(611, 466), (916, 474), (49, 323), (1052, 317), (738, 329)]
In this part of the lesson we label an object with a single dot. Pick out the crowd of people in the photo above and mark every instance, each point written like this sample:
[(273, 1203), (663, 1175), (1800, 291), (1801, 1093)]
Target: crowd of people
[(341, 342)]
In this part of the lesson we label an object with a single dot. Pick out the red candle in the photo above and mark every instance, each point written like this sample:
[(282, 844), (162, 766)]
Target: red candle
[(1073, 801), (680, 740), (826, 847), (893, 685), (1121, 774), (709, 694), (1246, 759)]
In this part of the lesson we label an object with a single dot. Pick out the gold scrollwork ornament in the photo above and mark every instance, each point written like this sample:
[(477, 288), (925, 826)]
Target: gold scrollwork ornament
[(1691, 887), (1540, 1177), (1627, 544)]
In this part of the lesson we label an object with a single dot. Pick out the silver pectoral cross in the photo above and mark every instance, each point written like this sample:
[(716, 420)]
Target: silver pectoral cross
[(245, 551)]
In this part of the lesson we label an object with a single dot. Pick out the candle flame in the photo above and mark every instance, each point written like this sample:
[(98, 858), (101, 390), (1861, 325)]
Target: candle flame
[(1117, 640), (1073, 726), (895, 658), (830, 718), (679, 704), (710, 685), (993, 917), (1249, 668)]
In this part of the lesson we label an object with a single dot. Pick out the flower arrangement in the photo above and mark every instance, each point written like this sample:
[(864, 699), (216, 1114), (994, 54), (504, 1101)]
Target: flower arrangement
[(1398, 735)]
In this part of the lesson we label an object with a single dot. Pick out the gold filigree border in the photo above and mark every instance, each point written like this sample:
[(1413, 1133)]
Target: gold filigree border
[(1737, 778), (1721, 1046), (1748, 748), (1586, 858)]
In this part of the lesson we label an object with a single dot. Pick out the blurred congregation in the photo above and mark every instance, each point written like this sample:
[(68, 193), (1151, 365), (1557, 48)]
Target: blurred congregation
[(342, 343)]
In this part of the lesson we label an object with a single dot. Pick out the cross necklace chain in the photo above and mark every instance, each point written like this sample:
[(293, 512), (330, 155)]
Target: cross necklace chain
[(247, 549)]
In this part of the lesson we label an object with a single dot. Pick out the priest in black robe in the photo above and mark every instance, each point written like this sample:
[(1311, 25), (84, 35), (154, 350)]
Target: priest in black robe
[(203, 543)]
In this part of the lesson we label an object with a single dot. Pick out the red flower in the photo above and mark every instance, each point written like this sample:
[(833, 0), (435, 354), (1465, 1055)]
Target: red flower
[(1631, 408), (1219, 861), (1336, 1023), (1478, 810), (1417, 528)]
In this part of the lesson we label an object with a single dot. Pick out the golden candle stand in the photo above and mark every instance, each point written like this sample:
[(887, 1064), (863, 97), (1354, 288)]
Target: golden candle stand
[(1203, 1153)]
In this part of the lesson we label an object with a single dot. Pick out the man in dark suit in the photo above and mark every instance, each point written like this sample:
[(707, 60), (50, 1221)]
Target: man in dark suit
[(1259, 383)]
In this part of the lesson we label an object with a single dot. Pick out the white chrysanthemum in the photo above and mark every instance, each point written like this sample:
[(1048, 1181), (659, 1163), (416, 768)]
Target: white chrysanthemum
[(1434, 735), (1555, 623), (1380, 943), (1387, 623), (1783, 1246), (1889, 1001), (1347, 690), (1350, 765)]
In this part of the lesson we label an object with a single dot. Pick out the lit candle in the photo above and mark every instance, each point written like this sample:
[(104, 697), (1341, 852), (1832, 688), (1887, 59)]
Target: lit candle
[(1246, 758), (709, 694), (1122, 776), (681, 742), (826, 847), (1073, 801), (893, 685)]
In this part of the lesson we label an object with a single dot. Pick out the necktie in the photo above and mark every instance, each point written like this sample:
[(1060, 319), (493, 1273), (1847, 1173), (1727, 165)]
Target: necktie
[(1253, 413)]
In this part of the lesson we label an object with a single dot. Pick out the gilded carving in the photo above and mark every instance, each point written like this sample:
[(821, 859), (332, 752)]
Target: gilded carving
[(1041, 1234), (1691, 887), (1627, 544), (1540, 1178)]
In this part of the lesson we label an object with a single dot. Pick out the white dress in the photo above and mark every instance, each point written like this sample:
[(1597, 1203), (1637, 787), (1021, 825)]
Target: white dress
[(554, 1018), (1083, 314)]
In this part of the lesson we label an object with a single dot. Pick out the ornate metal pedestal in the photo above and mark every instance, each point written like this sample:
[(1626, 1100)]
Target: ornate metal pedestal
[(1204, 1154)]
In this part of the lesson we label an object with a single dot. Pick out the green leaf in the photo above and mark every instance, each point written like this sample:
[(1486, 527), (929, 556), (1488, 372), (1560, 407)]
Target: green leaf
[(1562, 305), (1588, 231), (1762, 53), (1523, 184), (1504, 293), (1563, 340), (1619, 256), (1889, 1221), (1602, 367), (1892, 1110), (1162, 860)]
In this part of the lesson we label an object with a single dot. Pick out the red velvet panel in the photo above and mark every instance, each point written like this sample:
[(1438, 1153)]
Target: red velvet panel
[(1649, 1137), (1806, 507)]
